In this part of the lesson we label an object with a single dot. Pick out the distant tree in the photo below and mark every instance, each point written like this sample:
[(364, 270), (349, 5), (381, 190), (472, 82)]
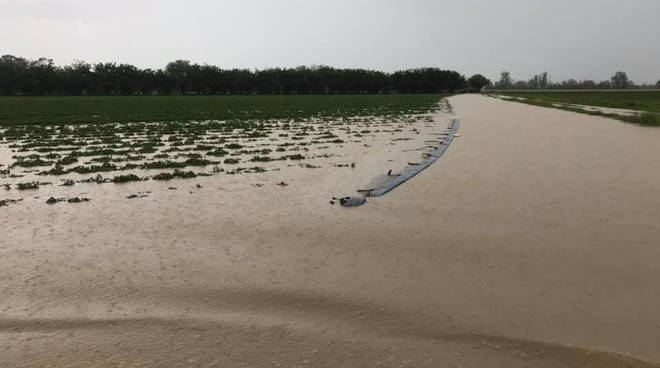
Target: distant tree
[(505, 80), (106, 80), (539, 81), (534, 82), (179, 71), (42, 77), (604, 84), (620, 80), (423, 80), (477, 82), (587, 84), (520, 85), (657, 85), (12, 74), (77, 78), (543, 80), (19, 76)]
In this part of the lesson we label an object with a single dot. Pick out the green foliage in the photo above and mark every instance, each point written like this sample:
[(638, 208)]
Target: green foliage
[(19, 76), (113, 109), (167, 164), (646, 119), (250, 135), (105, 167), (477, 82)]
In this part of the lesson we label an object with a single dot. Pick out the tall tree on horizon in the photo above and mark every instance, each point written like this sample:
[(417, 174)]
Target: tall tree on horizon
[(477, 82), (543, 80), (178, 71), (505, 80), (620, 80), (20, 76)]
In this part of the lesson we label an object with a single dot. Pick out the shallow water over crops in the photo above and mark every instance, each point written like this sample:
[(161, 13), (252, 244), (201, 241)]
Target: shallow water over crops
[(96, 161), (531, 242)]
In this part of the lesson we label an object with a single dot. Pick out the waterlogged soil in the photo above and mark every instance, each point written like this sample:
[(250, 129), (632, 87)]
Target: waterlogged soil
[(99, 160), (531, 243), (578, 107)]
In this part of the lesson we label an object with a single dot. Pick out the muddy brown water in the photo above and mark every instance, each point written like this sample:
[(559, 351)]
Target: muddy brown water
[(532, 242)]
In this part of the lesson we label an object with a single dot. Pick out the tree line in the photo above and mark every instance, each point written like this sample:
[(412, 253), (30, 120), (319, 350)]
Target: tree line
[(20, 76), (619, 80)]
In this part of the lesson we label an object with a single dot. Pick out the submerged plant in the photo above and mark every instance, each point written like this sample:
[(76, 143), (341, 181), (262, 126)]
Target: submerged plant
[(26, 186), (231, 161), (260, 159), (126, 178), (32, 162), (218, 152), (68, 160), (295, 157), (176, 174), (645, 119), (233, 146)]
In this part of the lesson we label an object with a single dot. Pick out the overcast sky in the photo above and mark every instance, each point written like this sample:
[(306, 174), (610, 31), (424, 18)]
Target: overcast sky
[(568, 38)]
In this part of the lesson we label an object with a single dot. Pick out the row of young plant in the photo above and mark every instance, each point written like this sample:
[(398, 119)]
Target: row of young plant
[(136, 148), (118, 179)]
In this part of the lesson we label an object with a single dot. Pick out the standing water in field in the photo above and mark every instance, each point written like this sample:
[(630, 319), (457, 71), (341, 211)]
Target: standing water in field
[(514, 249), (62, 161)]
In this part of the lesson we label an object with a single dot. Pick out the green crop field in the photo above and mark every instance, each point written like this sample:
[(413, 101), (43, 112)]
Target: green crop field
[(106, 109), (646, 102), (135, 138)]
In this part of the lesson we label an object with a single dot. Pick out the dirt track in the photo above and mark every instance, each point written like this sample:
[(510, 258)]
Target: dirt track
[(531, 242)]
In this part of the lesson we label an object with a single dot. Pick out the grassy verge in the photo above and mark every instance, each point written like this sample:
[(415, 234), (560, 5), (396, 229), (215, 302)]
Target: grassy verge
[(647, 103), (632, 100)]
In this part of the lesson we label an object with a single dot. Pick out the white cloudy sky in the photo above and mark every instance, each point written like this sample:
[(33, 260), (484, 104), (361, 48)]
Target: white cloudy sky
[(568, 38)]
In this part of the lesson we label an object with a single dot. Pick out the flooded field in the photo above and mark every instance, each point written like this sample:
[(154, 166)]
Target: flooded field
[(531, 242), (68, 163)]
